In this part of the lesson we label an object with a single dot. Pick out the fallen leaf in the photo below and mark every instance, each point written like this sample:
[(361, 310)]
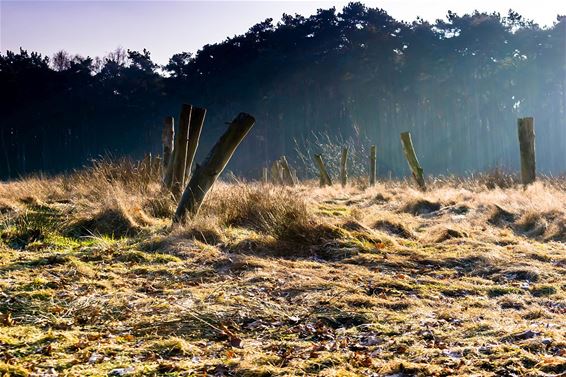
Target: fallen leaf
[(401, 349), (235, 341), (7, 319)]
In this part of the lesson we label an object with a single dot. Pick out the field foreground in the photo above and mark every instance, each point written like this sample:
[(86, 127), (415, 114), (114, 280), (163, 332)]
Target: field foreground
[(465, 279)]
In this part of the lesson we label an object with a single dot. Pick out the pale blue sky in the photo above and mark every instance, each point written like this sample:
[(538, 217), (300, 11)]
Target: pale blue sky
[(166, 27)]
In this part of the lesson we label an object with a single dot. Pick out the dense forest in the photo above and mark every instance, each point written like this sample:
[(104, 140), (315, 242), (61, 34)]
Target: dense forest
[(358, 74)]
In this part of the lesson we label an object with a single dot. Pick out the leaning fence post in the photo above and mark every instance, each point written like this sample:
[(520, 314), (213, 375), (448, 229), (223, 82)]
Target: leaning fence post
[(195, 128), (372, 165), (527, 148), (343, 167), (324, 176), (206, 174), (412, 160), (167, 140), (286, 170)]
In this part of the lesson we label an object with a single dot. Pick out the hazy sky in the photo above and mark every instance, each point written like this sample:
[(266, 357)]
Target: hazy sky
[(167, 27)]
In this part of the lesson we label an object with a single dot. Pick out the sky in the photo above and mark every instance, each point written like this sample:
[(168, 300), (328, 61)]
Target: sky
[(94, 28)]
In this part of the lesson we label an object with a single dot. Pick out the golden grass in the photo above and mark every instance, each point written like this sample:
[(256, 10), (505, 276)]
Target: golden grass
[(465, 279)]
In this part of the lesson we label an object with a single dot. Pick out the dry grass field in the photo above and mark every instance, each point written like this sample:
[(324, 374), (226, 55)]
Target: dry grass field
[(467, 279)]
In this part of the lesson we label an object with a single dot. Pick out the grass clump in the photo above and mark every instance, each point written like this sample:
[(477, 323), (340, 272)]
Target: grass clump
[(173, 346), (541, 290), (394, 228), (420, 206), (13, 370), (275, 211)]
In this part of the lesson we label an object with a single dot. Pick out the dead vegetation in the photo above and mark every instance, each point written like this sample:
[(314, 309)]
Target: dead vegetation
[(465, 279)]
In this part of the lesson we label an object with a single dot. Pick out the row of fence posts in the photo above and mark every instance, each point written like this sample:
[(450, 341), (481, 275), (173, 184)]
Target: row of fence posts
[(281, 173), (190, 187)]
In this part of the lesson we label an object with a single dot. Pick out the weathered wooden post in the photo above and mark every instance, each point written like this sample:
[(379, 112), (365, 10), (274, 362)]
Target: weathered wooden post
[(168, 176), (206, 174), (286, 170), (167, 140), (150, 163), (372, 165), (174, 179), (264, 176), (146, 163), (343, 167), (324, 176), (276, 173), (527, 148), (412, 160), (195, 128), (294, 175), (273, 173)]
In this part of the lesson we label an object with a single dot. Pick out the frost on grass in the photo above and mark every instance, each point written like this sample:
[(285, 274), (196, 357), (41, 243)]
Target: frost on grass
[(466, 279)]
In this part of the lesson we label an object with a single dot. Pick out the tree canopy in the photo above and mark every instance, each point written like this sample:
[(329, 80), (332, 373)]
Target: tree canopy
[(458, 85)]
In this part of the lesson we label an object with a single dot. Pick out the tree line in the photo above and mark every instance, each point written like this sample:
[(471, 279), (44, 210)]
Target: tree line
[(458, 85)]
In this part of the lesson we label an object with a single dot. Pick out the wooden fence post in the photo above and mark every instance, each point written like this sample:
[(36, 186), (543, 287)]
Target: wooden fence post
[(288, 178), (412, 160), (174, 179), (168, 176), (150, 163), (344, 167), (195, 128), (167, 140), (294, 175), (264, 176), (206, 174), (527, 148), (146, 163), (276, 173), (324, 176), (372, 165)]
